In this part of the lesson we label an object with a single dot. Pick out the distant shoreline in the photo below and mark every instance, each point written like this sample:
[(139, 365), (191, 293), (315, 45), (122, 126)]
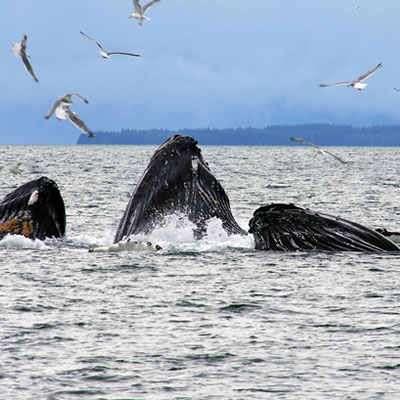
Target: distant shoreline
[(274, 135)]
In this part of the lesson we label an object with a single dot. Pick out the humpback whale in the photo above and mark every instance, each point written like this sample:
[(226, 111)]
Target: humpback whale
[(35, 210), (286, 227), (177, 181)]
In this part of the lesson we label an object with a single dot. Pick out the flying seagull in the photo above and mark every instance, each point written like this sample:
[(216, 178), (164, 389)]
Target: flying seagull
[(396, 89), (19, 49), (318, 149), (61, 108), (66, 99), (140, 10), (106, 54), (357, 83)]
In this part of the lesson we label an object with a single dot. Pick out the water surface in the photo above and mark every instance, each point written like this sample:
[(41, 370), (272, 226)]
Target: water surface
[(210, 319)]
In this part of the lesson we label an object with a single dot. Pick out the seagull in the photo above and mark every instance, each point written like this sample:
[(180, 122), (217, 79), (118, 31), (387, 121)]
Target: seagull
[(318, 149), (64, 112), (19, 49), (106, 54), (396, 89), (66, 99), (357, 83), (61, 108), (139, 10)]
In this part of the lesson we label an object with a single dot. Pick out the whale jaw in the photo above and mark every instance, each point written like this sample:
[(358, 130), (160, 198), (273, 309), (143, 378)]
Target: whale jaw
[(286, 227), (35, 210), (177, 181)]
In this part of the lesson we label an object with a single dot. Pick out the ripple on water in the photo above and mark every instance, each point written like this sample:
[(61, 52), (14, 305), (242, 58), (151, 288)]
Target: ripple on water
[(211, 319)]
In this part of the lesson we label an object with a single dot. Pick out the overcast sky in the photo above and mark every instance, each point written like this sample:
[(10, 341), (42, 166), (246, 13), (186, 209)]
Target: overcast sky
[(203, 64)]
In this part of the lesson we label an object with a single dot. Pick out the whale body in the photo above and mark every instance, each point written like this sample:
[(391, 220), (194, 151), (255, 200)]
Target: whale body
[(286, 227), (177, 181), (35, 210)]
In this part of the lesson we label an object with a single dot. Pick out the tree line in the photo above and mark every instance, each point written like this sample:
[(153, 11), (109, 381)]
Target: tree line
[(273, 135)]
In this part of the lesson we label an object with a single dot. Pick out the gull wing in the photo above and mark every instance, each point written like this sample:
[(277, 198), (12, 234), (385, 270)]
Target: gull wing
[(286, 227), (299, 140), (335, 84), (28, 67), (369, 73), (53, 108), (77, 95), (138, 7), (74, 118), (97, 43), (24, 58), (396, 89), (23, 43), (123, 53), (335, 156), (149, 4)]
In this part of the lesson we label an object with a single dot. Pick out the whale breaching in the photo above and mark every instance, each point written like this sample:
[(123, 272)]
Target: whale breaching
[(107, 54), (356, 83), (19, 49), (61, 107), (140, 10)]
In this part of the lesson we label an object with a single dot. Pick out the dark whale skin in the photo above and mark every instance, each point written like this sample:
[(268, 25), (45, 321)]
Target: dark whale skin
[(35, 210), (286, 227), (177, 181)]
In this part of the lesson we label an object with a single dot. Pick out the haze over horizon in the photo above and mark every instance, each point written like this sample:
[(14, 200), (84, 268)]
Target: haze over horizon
[(222, 66)]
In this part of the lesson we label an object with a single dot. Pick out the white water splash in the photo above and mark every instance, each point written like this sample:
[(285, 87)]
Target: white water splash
[(21, 242), (177, 234), (95, 239)]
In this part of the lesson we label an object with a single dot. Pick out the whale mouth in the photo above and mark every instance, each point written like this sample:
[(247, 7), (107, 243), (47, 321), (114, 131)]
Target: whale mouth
[(177, 181), (35, 210), (286, 227)]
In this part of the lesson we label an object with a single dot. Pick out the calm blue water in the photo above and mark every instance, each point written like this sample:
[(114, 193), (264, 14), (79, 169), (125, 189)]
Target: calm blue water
[(211, 319)]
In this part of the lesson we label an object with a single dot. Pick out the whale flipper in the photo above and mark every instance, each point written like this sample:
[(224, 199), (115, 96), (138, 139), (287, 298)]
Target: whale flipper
[(35, 210), (177, 181), (285, 227)]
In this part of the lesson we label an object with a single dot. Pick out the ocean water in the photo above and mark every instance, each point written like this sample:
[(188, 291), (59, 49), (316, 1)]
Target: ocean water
[(210, 319)]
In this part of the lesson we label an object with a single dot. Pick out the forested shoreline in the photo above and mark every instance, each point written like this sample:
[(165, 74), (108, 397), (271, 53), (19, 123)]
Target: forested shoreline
[(274, 135)]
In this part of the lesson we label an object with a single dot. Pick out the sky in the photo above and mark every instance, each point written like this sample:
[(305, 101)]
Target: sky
[(216, 64)]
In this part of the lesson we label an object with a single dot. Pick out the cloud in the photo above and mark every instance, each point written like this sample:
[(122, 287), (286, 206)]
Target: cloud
[(218, 66)]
